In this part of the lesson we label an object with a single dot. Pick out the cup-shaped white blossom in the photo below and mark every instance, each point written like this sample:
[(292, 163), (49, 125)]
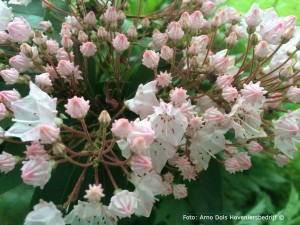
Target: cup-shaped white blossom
[(44, 213), (36, 171), (77, 108), (123, 203), (6, 15), (19, 30), (7, 162)]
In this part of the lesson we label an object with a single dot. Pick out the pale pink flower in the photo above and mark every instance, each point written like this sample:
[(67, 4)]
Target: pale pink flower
[(174, 31), (43, 81), (140, 164), (185, 21), (208, 7), (121, 16), (67, 43), (8, 97), (110, 15), (52, 46), (281, 160), (20, 63), (141, 128), (253, 93), (194, 49), (88, 49), (3, 111), (121, 128), (229, 93), (168, 177), (232, 165), (90, 19), (46, 25), (213, 116), (138, 145), (36, 149), (167, 190), (166, 53), (36, 171), (102, 33), (51, 71), (253, 16), (4, 37), (82, 37), (7, 162), (189, 173), (197, 20), (182, 163), (272, 31), (77, 108), (179, 191), (231, 40), (219, 63), (164, 79), (123, 203), (44, 213), (286, 127), (254, 147), (19, 30), (150, 59), (46, 133), (293, 94), (262, 50), (61, 54), (10, 76), (6, 15), (65, 68), (244, 160), (159, 39), (178, 95), (132, 33), (94, 193), (65, 29), (196, 122), (120, 43)]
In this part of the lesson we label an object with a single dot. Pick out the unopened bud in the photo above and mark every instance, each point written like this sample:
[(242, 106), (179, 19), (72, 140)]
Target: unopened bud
[(145, 23), (120, 17), (231, 40), (59, 148), (26, 50), (132, 33), (286, 73), (253, 39), (194, 62), (104, 118), (102, 33), (288, 34)]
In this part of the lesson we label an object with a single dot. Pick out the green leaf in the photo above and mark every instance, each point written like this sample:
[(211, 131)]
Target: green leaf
[(14, 205), (10, 180)]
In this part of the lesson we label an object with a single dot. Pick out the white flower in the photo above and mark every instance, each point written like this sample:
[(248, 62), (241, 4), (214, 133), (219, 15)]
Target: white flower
[(44, 213), (33, 114), (5, 15), (20, 2)]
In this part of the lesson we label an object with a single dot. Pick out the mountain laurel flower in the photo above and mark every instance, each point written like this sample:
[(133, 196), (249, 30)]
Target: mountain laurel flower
[(253, 16), (36, 171), (244, 160), (150, 59), (10, 76), (159, 39), (132, 33), (94, 193), (197, 21), (262, 50), (102, 33), (123, 203), (47, 26), (231, 40), (88, 49), (36, 149), (67, 43), (65, 68), (179, 191), (120, 43), (293, 94), (175, 31), (166, 53), (82, 37), (208, 7), (164, 79), (6, 15), (110, 15), (44, 213), (4, 37), (7, 162), (8, 97), (141, 164), (178, 95), (229, 93), (104, 118), (90, 19), (3, 111), (20, 63), (232, 165), (253, 93), (19, 30), (52, 46), (281, 160), (272, 32), (121, 128), (254, 147), (77, 108)]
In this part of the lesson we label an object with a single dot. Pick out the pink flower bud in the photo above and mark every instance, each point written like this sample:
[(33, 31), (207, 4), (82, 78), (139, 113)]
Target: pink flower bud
[(224, 81), (178, 95), (7, 162), (8, 97), (231, 40), (213, 115), (110, 15), (288, 34), (132, 33), (197, 21), (77, 108), (121, 16), (174, 31), (138, 145), (36, 149), (19, 30), (194, 49), (220, 64), (44, 213), (36, 171), (281, 160), (10, 76), (253, 93), (3, 112), (48, 133), (253, 16), (293, 94), (229, 93), (46, 25), (102, 33), (88, 49), (232, 165), (166, 53), (150, 59), (262, 50), (20, 63), (185, 21), (196, 122), (67, 43), (82, 37), (94, 193), (159, 39), (65, 68), (216, 22), (121, 128), (90, 19), (65, 30), (167, 188), (43, 81), (141, 164), (61, 54), (272, 32), (208, 7), (123, 204), (244, 160), (120, 43), (145, 23), (52, 46), (179, 191), (164, 79), (4, 37), (253, 147)]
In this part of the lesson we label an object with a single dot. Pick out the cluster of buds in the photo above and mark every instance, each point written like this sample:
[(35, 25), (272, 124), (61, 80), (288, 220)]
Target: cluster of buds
[(203, 104)]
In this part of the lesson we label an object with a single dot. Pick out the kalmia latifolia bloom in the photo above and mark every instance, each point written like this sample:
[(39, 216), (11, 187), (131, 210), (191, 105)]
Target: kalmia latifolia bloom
[(119, 110)]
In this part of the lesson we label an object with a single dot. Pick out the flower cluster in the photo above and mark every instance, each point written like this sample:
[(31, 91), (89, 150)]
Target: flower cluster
[(203, 102)]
